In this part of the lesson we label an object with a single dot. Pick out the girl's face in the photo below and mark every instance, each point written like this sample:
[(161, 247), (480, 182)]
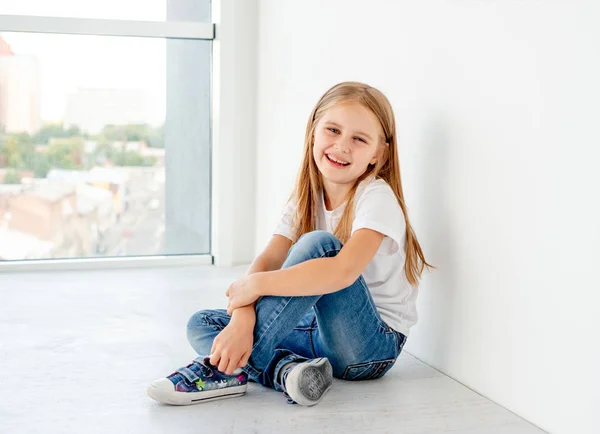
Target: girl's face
[(350, 134)]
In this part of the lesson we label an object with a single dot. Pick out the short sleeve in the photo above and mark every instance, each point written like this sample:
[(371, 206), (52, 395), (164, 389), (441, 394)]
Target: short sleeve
[(284, 227), (378, 209)]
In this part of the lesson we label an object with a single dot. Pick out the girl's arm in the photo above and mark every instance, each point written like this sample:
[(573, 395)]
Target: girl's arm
[(323, 275), (272, 258), (235, 341)]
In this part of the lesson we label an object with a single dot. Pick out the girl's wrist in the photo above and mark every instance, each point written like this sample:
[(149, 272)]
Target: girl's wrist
[(246, 313)]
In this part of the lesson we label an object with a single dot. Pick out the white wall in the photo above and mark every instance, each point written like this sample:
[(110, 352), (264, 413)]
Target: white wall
[(497, 105)]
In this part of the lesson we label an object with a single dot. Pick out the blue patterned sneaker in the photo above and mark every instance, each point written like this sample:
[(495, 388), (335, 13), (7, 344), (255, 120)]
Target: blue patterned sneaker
[(198, 382), (306, 383)]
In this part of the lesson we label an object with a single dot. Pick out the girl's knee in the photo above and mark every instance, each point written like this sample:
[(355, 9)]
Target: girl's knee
[(322, 239), (215, 319), (198, 320), (203, 327)]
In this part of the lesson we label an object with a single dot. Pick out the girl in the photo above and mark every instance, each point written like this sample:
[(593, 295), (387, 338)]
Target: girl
[(340, 302)]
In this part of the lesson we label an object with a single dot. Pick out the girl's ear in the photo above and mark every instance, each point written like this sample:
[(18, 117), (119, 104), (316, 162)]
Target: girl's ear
[(379, 154)]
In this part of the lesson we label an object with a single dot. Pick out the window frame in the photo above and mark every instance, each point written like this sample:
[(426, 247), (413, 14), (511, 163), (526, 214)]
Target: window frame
[(115, 27), (106, 27)]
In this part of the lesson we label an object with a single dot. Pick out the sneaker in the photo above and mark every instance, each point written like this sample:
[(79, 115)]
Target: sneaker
[(306, 383), (198, 382)]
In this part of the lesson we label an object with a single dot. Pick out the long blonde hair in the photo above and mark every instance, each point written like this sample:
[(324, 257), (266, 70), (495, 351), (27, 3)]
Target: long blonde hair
[(309, 184)]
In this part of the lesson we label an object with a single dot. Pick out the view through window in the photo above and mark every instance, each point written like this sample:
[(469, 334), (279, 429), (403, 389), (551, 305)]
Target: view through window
[(85, 145)]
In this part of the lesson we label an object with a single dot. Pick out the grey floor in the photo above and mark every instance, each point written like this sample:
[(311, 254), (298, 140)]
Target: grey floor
[(77, 350)]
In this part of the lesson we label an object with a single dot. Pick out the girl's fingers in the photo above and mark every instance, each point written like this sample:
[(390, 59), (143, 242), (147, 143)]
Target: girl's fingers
[(223, 364), (232, 366), (245, 359), (215, 358), (230, 307)]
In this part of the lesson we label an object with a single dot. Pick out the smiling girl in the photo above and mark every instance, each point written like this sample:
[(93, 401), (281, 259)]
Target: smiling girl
[(333, 293)]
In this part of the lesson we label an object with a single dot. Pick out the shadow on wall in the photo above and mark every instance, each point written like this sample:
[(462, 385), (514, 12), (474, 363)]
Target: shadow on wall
[(436, 330)]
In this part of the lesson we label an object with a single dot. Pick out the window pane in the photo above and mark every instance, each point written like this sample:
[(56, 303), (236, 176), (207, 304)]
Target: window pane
[(104, 146), (142, 10)]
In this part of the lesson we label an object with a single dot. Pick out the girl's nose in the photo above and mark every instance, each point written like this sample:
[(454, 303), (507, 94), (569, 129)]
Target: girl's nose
[(343, 146)]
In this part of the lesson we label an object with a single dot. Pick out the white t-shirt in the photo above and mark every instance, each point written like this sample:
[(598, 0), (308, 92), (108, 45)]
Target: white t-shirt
[(376, 208)]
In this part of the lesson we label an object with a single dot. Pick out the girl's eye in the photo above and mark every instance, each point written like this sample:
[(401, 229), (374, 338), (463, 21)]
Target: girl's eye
[(334, 130), (360, 139)]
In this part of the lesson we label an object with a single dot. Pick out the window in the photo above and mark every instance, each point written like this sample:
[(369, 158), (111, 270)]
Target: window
[(105, 139), (149, 10)]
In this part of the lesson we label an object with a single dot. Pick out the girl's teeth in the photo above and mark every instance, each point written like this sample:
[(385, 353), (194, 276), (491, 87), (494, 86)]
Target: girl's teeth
[(336, 161)]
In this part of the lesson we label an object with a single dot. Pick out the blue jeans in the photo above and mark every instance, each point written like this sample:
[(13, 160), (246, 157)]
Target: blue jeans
[(343, 326)]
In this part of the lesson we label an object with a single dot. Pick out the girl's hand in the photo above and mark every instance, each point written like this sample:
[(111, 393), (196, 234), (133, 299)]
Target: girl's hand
[(243, 292), (232, 347)]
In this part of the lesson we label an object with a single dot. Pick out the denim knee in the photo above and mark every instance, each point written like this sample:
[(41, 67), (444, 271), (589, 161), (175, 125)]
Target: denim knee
[(215, 319), (203, 327), (198, 320), (319, 238)]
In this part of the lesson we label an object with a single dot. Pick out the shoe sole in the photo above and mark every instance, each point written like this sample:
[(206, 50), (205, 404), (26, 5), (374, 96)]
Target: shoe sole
[(308, 382), (184, 398)]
